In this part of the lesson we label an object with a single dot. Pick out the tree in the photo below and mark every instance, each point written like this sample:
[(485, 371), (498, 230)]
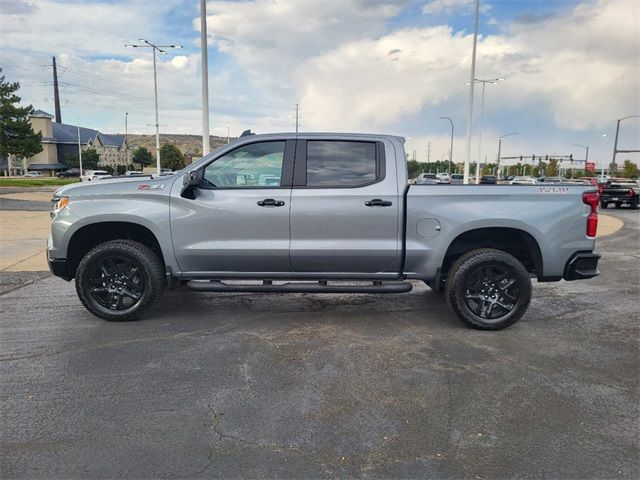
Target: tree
[(142, 157), (512, 170), (16, 134), (90, 159), (552, 168), (171, 157), (629, 169)]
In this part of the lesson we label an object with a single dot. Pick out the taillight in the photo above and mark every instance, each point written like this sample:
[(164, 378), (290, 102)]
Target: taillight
[(591, 199), (631, 193)]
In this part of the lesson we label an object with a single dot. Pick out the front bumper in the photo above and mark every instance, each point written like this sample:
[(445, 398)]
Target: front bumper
[(59, 267), (582, 265)]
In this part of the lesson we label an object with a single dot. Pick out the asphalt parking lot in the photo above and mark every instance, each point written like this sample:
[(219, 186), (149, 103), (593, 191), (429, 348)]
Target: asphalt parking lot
[(335, 386)]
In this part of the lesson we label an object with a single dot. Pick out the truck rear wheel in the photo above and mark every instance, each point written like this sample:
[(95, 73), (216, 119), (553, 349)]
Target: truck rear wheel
[(488, 289), (119, 280)]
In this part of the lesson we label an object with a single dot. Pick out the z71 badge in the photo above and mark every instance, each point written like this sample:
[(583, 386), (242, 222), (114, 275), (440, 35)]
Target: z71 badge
[(146, 186)]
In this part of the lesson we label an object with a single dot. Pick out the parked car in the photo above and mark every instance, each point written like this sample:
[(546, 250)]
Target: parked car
[(523, 181), (457, 179), (548, 180), (33, 174), (443, 177), (92, 175), (69, 173), (488, 180), (164, 172), (134, 173), (426, 179), (124, 242), (592, 180), (619, 194)]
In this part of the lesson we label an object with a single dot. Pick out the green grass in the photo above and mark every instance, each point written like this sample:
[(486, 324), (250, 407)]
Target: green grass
[(36, 182)]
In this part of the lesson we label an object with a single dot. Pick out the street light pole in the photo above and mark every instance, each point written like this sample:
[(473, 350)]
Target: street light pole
[(451, 150), (586, 155), (604, 135), (500, 149), (155, 48), (204, 67), (615, 143), (492, 81), (472, 77), (79, 150)]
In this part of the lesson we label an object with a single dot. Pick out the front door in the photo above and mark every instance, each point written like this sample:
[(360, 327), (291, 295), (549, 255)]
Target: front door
[(239, 219), (345, 208)]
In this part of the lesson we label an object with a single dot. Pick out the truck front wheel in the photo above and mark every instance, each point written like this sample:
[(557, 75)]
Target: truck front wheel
[(119, 280), (488, 289)]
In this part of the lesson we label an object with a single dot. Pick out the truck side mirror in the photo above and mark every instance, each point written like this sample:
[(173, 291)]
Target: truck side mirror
[(190, 182)]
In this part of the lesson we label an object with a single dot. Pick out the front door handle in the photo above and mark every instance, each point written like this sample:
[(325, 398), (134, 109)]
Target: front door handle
[(270, 202), (376, 202)]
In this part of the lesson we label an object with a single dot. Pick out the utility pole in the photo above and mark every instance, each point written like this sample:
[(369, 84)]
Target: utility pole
[(79, 149), (204, 67), (467, 160), (228, 134), (297, 115), (155, 48), (428, 152), (56, 93)]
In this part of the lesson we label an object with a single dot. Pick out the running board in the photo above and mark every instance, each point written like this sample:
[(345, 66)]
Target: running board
[(299, 287)]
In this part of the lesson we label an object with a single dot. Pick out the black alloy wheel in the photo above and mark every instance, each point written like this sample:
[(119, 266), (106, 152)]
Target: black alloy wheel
[(488, 289), (120, 279), (491, 292), (117, 283)]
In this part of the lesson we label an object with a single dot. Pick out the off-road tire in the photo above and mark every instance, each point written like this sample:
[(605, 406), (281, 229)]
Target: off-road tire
[(466, 266), (151, 275)]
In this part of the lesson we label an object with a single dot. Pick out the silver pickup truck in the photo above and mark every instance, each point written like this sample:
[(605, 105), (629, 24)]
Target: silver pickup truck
[(321, 213)]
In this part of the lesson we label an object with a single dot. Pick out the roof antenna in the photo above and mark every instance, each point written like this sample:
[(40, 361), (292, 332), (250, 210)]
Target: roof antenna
[(246, 133)]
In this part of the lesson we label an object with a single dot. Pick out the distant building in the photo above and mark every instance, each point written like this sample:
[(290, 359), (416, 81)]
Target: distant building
[(60, 142)]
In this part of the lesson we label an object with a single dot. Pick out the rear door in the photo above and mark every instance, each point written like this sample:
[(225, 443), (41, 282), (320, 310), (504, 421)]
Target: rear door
[(345, 207), (239, 219)]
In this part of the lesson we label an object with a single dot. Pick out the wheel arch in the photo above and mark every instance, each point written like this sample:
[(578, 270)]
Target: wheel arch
[(93, 234), (517, 242)]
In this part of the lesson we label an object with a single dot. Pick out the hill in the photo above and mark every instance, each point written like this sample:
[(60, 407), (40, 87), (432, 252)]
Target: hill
[(186, 143)]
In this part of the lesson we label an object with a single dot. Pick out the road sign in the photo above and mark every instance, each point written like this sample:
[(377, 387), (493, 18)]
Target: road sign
[(590, 166)]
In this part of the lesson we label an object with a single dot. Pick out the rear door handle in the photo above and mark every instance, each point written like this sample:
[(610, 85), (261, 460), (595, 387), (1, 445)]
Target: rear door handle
[(376, 202), (270, 202)]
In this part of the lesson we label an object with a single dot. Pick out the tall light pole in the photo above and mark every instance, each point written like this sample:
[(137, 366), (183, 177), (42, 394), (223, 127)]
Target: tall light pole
[(204, 67), (472, 77), (155, 48), (492, 81), (79, 149), (615, 143), (451, 150), (126, 135), (500, 148)]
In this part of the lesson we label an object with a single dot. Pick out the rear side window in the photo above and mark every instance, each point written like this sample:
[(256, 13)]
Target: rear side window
[(341, 164)]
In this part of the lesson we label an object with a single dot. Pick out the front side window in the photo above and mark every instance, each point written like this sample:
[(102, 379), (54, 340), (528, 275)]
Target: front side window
[(257, 165), (340, 164)]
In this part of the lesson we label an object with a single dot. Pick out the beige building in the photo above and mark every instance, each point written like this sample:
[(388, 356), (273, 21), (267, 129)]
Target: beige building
[(60, 142)]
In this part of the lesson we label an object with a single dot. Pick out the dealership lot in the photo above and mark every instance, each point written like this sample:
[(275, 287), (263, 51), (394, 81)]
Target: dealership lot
[(242, 385)]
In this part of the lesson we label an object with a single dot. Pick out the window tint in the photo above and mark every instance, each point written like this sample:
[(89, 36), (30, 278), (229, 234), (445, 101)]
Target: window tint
[(340, 164), (249, 166)]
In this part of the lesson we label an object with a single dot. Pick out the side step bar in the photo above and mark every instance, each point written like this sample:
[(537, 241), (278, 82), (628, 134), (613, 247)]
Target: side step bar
[(320, 287)]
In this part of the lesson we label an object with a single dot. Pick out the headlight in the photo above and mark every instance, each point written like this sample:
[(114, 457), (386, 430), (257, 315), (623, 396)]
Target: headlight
[(57, 204)]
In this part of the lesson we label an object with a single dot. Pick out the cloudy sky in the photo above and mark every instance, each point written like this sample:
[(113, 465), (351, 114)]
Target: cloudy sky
[(571, 68)]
